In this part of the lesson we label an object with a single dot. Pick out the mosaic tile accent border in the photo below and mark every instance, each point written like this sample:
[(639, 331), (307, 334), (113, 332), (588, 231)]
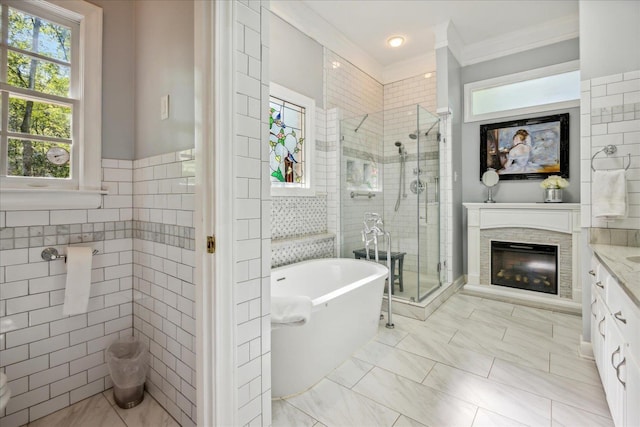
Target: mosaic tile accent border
[(302, 250), (172, 235), (616, 113), (45, 235), (51, 235), (323, 145), (298, 216)]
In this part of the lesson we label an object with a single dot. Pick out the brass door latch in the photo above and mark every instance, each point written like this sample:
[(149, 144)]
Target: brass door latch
[(211, 244)]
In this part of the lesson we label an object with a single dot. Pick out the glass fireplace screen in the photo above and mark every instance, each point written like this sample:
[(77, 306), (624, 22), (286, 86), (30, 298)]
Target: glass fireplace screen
[(525, 266)]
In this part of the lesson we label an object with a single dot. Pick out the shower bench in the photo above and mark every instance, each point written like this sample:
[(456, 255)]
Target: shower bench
[(382, 256)]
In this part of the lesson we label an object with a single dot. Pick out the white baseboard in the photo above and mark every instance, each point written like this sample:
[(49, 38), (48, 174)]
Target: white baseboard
[(537, 301), (585, 350)]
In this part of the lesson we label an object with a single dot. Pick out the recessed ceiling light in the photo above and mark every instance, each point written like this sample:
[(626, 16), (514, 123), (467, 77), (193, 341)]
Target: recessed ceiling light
[(395, 41), (335, 64), (427, 75)]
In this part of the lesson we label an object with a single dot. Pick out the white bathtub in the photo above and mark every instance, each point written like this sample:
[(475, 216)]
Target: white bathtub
[(346, 296)]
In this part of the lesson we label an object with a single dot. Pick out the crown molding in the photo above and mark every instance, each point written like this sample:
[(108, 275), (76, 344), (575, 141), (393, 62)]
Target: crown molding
[(555, 31), (310, 23), (305, 19), (447, 36)]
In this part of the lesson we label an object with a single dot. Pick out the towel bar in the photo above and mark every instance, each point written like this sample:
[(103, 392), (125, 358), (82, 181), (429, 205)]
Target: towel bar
[(355, 194), (609, 150), (51, 254)]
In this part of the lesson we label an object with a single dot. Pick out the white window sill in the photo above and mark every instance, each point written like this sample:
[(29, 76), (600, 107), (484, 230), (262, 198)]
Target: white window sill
[(284, 191), (19, 199)]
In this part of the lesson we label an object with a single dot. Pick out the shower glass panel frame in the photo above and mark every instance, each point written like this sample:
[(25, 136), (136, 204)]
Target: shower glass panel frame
[(372, 149)]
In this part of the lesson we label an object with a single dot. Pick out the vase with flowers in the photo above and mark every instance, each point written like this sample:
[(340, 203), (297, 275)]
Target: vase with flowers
[(553, 187)]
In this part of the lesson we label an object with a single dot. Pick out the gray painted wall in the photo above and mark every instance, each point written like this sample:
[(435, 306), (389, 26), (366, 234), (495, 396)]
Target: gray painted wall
[(517, 191), (164, 66), (457, 166), (449, 95), (118, 62), (296, 60), (610, 37)]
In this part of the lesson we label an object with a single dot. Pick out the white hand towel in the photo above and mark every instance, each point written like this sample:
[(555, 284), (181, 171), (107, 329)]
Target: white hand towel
[(290, 311), (609, 194), (76, 294)]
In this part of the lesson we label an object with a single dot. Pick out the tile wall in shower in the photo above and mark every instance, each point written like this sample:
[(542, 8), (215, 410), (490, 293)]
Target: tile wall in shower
[(401, 118)]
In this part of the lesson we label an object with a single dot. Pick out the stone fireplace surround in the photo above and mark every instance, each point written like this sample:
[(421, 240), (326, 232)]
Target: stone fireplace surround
[(543, 223)]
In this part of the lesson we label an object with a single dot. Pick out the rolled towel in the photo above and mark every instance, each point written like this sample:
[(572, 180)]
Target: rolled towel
[(290, 310), (609, 194)]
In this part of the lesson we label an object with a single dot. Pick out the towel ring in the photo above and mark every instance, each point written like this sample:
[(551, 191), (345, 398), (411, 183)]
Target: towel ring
[(609, 150)]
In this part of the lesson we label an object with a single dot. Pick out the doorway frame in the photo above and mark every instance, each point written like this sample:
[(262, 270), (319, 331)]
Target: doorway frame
[(214, 65)]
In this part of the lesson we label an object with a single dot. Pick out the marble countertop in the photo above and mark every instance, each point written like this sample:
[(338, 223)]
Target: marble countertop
[(540, 205), (626, 272)]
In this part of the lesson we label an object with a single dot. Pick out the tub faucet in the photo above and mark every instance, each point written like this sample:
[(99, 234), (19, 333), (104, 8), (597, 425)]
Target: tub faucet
[(372, 228)]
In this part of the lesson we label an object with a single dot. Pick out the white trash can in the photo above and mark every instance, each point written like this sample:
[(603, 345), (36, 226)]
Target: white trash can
[(128, 361)]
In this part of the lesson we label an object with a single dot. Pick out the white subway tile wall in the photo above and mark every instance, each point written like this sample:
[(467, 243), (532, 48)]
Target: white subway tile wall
[(163, 288), (252, 251), (52, 360), (610, 114), (401, 118)]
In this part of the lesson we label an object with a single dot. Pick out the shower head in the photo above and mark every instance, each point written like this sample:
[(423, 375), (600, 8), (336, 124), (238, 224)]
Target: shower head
[(414, 135), (400, 147)]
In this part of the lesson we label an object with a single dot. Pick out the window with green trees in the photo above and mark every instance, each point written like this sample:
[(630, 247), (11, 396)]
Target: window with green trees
[(39, 110)]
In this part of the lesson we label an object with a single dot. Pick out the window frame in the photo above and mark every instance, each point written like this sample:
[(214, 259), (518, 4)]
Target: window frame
[(309, 104), (557, 69), (83, 190)]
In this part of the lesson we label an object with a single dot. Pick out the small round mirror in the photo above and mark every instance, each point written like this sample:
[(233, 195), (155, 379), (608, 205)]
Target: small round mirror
[(490, 178)]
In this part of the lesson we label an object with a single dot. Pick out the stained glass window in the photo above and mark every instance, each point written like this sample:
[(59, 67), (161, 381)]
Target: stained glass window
[(287, 123)]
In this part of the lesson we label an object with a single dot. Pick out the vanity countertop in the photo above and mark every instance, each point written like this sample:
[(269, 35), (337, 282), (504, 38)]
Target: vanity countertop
[(626, 272)]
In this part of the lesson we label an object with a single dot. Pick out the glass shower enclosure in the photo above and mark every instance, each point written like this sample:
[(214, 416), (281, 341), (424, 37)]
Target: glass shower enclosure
[(390, 165)]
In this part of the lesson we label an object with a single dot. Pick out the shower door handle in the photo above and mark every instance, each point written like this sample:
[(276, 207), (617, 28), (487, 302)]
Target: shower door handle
[(437, 181), (426, 212), (426, 205)]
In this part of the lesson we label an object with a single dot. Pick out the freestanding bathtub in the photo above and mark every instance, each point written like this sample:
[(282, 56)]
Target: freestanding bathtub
[(346, 296)]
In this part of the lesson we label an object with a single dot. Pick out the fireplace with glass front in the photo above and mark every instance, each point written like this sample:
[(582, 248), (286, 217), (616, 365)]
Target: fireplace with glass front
[(525, 252), (533, 267)]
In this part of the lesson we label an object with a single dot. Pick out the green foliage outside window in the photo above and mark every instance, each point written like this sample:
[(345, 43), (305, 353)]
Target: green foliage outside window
[(31, 117)]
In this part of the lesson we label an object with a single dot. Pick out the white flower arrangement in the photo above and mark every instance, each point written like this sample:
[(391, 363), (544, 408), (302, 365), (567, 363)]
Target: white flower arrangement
[(554, 181)]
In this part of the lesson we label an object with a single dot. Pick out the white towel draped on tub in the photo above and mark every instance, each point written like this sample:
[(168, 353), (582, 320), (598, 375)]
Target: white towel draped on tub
[(609, 193), (76, 293), (290, 310)]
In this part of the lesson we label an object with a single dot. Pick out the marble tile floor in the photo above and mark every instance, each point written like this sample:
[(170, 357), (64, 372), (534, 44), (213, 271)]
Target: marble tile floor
[(101, 410), (474, 362), (410, 285)]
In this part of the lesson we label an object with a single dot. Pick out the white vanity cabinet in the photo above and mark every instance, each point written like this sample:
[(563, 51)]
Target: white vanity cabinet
[(633, 390), (615, 336)]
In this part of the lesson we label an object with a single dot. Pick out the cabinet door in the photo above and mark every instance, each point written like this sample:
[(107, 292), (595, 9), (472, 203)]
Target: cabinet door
[(616, 370), (632, 418), (598, 328), (625, 314)]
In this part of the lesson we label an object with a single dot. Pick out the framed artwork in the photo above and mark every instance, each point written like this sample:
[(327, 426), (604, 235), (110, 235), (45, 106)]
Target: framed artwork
[(526, 149)]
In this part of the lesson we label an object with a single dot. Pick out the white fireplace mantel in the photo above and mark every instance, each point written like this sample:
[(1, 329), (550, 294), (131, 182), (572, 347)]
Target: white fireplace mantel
[(555, 217)]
